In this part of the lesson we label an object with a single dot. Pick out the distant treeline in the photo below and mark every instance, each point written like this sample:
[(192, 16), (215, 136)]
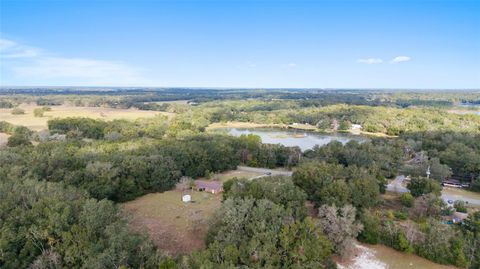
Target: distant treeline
[(138, 97)]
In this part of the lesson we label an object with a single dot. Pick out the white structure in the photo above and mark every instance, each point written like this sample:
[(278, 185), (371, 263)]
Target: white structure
[(356, 126), (186, 198)]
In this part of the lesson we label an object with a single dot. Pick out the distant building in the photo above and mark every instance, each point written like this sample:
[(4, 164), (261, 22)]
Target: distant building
[(356, 126), (454, 183), (209, 186)]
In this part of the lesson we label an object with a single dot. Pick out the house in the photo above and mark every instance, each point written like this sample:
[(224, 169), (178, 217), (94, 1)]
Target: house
[(209, 186), (452, 183)]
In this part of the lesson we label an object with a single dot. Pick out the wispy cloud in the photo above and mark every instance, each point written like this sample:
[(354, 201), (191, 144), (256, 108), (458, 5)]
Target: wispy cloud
[(400, 59), (289, 65), (11, 49), (33, 64), (370, 61)]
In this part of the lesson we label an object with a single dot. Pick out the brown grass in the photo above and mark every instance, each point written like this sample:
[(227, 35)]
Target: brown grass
[(174, 226), (391, 201), (64, 111)]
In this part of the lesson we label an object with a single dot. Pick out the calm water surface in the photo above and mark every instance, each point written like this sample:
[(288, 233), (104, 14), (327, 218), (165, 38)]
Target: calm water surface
[(290, 138), (471, 105)]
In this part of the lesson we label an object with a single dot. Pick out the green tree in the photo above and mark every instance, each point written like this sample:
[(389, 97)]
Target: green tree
[(371, 227), (420, 185)]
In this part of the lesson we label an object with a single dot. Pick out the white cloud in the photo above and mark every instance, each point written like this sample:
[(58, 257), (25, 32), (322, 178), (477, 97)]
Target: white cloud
[(28, 63), (370, 61), (11, 49), (289, 65), (400, 59), (57, 67)]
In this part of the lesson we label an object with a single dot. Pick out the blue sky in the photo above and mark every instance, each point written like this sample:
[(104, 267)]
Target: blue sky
[(314, 44)]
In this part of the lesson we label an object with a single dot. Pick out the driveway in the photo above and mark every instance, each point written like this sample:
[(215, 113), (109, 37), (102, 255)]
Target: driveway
[(265, 171), (396, 185)]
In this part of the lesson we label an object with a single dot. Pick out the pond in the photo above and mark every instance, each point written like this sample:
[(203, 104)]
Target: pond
[(290, 138), (382, 257), (471, 106)]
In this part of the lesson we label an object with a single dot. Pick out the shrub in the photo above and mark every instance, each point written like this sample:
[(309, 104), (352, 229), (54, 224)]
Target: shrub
[(460, 206), (18, 139), (400, 215), (17, 111), (38, 112), (407, 199)]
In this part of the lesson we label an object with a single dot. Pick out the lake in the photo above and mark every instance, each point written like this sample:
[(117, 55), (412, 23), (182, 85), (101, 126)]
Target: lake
[(471, 106), (291, 138)]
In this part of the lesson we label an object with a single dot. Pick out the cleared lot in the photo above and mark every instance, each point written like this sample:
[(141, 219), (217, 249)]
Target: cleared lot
[(177, 227), (174, 226), (64, 111)]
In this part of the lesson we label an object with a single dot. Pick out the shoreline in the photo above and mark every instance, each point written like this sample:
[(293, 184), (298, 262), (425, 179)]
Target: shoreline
[(301, 127)]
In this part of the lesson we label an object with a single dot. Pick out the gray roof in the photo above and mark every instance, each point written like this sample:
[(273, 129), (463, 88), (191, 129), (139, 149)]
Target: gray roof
[(204, 184)]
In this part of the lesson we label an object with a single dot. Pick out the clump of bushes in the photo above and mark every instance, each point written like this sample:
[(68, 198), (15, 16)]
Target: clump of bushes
[(407, 199), (460, 206), (18, 111), (38, 112)]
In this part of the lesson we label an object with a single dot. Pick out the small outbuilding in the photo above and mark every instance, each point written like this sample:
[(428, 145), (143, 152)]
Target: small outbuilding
[(209, 186), (186, 198)]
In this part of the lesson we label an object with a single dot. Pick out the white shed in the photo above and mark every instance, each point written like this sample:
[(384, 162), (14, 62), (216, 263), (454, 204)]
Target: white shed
[(186, 198)]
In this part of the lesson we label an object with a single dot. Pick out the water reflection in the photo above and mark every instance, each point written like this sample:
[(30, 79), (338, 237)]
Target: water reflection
[(290, 138)]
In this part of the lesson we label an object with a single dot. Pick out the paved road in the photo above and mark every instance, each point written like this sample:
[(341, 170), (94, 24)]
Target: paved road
[(453, 194), (396, 185), (266, 172)]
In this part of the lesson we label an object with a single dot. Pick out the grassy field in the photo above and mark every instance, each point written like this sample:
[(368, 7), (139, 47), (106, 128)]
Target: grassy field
[(174, 226), (64, 111)]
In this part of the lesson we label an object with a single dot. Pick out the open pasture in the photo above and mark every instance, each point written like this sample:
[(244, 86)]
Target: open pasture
[(174, 226), (64, 111)]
